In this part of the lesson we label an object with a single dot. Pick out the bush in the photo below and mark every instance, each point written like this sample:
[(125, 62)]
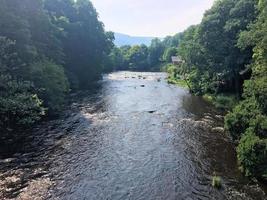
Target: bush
[(237, 121), (222, 101), (225, 102), (252, 154), (50, 83), (171, 69), (19, 108), (259, 125), (257, 88), (195, 84)]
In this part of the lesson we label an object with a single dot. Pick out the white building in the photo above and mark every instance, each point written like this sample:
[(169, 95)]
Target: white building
[(176, 60)]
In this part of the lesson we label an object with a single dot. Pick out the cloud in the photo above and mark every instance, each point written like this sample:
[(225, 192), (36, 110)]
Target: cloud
[(150, 17)]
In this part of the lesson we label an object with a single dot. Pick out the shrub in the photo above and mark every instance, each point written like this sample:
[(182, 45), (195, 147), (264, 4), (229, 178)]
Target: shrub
[(195, 83), (252, 154), (225, 102), (172, 70), (259, 125), (257, 88), (239, 119), (19, 108)]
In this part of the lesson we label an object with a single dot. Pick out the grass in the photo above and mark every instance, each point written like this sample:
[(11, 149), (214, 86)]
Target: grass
[(179, 82), (216, 182), (208, 98)]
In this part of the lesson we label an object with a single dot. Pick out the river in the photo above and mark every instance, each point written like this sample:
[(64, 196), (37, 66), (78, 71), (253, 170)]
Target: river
[(134, 137)]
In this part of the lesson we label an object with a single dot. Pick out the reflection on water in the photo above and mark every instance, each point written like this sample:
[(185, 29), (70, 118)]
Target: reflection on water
[(136, 137)]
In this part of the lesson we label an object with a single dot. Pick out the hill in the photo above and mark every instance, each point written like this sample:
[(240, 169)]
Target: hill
[(123, 39)]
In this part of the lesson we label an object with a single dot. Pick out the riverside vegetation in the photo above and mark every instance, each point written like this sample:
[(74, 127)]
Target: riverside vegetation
[(225, 59), (49, 48)]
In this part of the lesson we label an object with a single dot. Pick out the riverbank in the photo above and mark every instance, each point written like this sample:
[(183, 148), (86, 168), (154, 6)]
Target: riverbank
[(179, 82), (239, 115), (225, 102)]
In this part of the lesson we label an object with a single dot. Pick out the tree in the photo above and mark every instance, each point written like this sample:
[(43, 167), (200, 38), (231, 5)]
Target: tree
[(86, 44), (168, 53), (19, 107), (26, 22), (251, 113), (219, 33), (156, 50), (50, 83), (137, 57), (40, 42)]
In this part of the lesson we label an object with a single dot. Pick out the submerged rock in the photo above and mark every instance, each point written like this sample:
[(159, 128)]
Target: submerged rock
[(152, 111)]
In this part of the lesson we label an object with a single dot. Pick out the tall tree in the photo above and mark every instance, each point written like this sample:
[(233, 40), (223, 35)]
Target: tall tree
[(156, 50), (219, 33), (85, 43)]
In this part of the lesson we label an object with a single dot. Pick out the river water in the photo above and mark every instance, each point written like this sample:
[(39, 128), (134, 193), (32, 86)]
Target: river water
[(134, 137)]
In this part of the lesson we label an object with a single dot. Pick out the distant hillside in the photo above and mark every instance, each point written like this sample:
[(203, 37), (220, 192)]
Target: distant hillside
[(123, 39)]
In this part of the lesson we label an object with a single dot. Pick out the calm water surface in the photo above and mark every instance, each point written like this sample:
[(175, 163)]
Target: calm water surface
[(135, 137)]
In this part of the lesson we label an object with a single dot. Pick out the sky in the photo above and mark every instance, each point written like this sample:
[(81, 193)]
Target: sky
[(157, 18)]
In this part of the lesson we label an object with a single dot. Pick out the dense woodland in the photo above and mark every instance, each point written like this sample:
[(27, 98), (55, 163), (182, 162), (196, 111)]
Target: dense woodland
[(49, 48), (142, 57)]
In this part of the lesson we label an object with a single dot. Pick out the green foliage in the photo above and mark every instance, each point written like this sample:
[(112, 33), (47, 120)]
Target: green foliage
[(172, 41), (180, 82), (225, 102), (26, 22), (176, 75), (210, 50), (86, 45), (168, 53), (156, 50), (218, 57), (239, 120), (19, 108), (172, 70), (249, 119), (44, 45), (9, 61), (252, 154), (216, 182), (200, 82), (137, 57), (115, 60), (130, 58), (257, 88), (221, 101), (141, 57), (50, 83)]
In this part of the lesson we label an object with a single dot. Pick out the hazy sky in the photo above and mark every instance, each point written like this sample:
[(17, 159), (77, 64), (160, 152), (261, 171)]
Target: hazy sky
[(150, 17)]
